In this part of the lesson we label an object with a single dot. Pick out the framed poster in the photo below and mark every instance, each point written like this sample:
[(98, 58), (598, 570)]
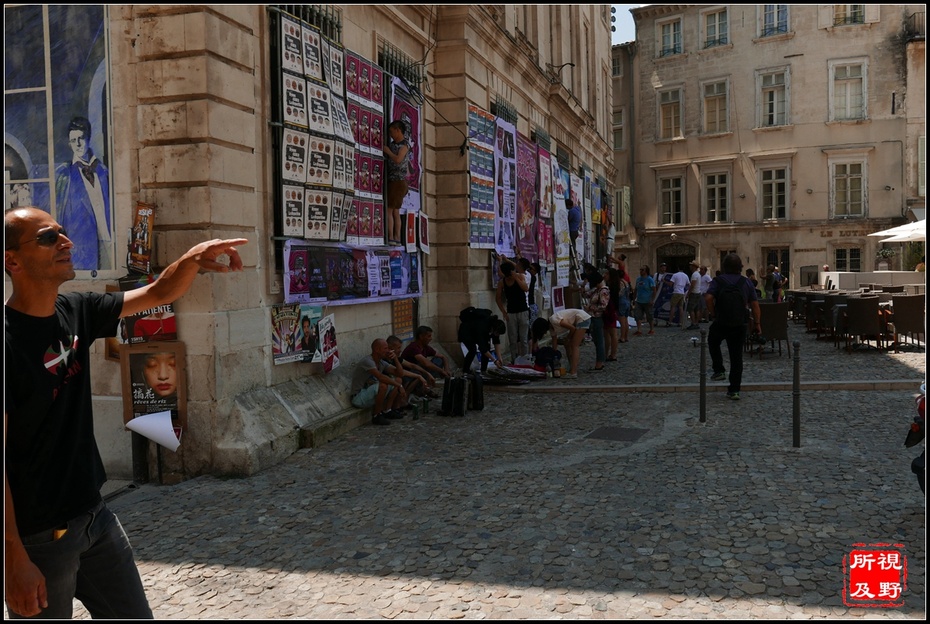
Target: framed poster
[(154, 380), (140, 242)]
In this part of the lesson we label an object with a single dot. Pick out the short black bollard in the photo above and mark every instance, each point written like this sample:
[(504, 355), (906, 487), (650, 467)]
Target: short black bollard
[(796, 391), (703, 375)]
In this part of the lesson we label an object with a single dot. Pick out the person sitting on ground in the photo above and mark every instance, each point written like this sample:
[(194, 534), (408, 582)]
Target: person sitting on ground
[(375, 385), (481, 333), (577, 323), (415, 384), (420, 353), (417, 380)]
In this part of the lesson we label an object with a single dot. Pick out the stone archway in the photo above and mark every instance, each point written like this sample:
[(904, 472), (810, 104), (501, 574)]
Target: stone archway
[(676, 256)]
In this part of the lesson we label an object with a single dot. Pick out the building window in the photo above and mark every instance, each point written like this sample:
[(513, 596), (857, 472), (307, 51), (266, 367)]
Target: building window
[(670, 196), (58, 126), (848, 259), (715, 108), (774, 193), (715, 28), (848, 91), (670, 114), (618, 130), (716, 192), (774, 99), (670, 38), (848, 14), (774, 19), (616, 66), (848, 189)]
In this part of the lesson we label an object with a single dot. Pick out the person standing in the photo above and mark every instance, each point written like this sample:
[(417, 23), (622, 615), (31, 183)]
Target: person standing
[(82, 194), (728, 297), (611, 335), (680, 286), (62, 541), (398, 154), (598, 296), (645, 294), (704, 282), (511, 300), (694, 296), (574, 220)]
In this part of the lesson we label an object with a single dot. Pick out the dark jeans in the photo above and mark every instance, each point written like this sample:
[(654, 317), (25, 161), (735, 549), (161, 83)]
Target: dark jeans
[(470, 357), (736, 341), (92, 562)]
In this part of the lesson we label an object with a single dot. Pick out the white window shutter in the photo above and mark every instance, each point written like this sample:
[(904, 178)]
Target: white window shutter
[(873, 13), (825, 16)]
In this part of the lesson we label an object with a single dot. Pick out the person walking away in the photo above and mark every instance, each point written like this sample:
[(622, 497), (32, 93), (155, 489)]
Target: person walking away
[(625, 307), (577, 323), (598, 296), (773, 283), (511, 300), (62, 540), (645, 294), (730, 298), (398, 154)]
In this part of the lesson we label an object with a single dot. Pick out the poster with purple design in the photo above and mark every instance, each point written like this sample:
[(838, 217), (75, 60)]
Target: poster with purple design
[(527, 197)]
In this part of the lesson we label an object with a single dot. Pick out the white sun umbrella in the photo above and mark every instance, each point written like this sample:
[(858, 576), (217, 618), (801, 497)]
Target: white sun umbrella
[(903, 230), (912, 237)]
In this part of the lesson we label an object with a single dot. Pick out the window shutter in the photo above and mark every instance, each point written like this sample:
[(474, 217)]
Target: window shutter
[(873, 13)]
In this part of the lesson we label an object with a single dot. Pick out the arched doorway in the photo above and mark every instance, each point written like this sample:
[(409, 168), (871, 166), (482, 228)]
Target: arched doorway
[(675, 256)]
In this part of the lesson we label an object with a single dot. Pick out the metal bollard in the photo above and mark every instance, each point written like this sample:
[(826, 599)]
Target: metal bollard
[(796, 392), (703, 375)]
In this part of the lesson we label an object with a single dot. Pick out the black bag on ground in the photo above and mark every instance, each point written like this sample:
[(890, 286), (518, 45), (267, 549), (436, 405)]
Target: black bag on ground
[(476, 392), (453, 397)]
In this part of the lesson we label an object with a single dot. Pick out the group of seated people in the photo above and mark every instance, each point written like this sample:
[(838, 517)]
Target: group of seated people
[(385, 379)]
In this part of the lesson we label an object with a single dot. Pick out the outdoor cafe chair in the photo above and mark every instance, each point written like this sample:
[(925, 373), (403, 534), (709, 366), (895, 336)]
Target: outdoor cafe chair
[(774, 325), (862, 323), (908, 319)]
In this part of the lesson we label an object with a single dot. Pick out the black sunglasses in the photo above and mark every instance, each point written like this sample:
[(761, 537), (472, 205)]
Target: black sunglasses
[(48, 237)]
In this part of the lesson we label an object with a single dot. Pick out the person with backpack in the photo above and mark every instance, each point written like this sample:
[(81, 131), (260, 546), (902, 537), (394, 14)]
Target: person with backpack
[(729, 298), (480, 331)]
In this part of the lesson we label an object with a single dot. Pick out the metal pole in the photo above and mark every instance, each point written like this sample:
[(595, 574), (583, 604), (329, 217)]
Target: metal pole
[(796, 392), (703, 375), (140, 458)]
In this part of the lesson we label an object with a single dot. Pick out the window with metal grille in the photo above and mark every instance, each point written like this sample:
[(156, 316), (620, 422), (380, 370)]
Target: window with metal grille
[(715, 29), (774, 19)]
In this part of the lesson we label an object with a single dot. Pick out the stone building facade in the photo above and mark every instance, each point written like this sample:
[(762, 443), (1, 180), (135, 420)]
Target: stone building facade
[(785, 133), (191, 90)]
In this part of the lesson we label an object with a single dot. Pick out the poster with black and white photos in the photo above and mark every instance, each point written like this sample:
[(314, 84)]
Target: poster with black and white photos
[(320, 167), (335, 215), (318, 204), (295, 100), (294, 154), (294, 217), (313, 66), (339, 165), (341, 127), (291, 53), (326, 58), (321, 115), (348, 209), (337, 65)]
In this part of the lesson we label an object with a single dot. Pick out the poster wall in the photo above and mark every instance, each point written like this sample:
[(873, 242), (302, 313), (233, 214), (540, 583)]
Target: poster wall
[(505, 187), (482, 127)]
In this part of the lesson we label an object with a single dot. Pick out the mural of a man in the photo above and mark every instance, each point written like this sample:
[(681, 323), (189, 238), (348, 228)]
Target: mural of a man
[(82, 189)]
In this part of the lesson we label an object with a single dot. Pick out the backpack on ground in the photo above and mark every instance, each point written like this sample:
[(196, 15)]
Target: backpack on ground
[(730, 305)]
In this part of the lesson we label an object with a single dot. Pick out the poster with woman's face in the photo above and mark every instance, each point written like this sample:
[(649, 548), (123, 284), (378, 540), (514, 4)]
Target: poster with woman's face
[(154, 381)]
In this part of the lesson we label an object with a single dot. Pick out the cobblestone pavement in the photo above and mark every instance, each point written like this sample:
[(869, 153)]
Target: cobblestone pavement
[(572, 504)]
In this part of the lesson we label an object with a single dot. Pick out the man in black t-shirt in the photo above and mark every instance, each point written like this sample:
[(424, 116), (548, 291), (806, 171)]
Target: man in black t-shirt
[(62, 542)]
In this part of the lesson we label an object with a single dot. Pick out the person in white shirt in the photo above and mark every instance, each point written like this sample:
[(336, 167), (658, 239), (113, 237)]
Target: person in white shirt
[(576, 322), (680, 287), (694, 296), (704, 282)]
